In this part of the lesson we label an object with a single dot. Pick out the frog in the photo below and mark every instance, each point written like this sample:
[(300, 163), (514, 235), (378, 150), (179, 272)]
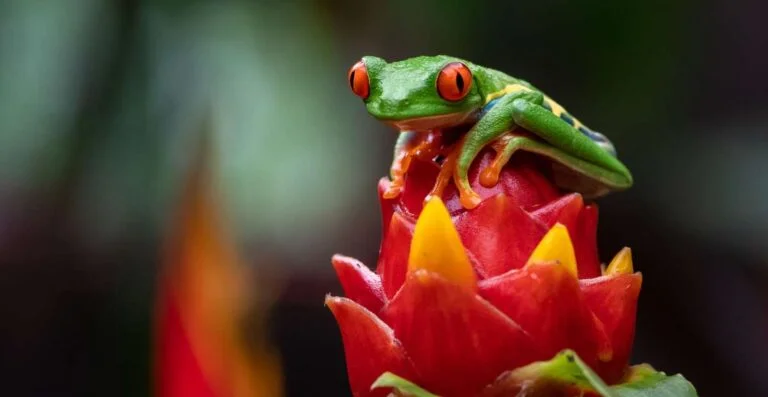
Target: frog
[(420, 95)]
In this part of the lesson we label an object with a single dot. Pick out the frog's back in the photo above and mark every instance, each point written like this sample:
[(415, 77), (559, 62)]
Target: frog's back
[(491, 81)]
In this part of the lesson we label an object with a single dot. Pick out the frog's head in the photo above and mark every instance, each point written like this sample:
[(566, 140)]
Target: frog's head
[(417, 94)]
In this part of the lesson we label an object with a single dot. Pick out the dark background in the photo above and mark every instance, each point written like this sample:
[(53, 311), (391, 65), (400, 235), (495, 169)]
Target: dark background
[(100, 101)]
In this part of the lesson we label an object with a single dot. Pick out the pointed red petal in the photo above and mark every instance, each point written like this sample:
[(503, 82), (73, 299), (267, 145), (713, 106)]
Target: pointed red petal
[(585, 243), (457, 340), (370, 347), (614, 301), (499, 235), (393, 255), (564, 210), (545, 299), (581, 222), (360, 283)]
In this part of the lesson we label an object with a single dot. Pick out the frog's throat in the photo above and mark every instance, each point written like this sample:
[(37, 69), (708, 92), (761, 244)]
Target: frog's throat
[(432, 122)]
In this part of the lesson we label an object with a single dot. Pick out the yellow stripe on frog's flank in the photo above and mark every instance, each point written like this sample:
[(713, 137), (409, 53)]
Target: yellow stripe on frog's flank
[(554, 106), (557, 110), (506, 90)]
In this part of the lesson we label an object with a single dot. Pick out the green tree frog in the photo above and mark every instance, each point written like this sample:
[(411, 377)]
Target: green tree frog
[(424, 94)]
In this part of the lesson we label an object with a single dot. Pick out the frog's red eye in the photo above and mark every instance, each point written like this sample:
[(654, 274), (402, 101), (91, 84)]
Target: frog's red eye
[(358, 80), (454, 81)]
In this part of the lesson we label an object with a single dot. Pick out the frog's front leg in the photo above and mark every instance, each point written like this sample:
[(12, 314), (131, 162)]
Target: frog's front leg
[(410, 144), (498, 120), (400, 163)]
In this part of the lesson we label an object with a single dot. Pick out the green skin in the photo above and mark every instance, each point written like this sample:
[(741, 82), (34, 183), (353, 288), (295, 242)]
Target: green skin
[(404, 94)]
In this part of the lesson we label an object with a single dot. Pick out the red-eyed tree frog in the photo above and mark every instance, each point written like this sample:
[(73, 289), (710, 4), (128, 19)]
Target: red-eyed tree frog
[(420, 95)]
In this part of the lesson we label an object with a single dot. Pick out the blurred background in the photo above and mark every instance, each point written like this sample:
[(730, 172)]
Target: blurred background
[(103, 105)]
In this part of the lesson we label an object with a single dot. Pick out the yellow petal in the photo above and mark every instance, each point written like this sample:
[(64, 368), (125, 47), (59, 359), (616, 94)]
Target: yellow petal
[(436, 246), (556, 246), (621, 263)]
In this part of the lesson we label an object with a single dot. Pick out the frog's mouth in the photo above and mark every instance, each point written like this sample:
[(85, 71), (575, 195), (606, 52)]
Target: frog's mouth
[(428, 123)]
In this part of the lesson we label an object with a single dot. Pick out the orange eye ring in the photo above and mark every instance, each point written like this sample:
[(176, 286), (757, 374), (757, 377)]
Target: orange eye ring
[(358, 80), (454, 81)]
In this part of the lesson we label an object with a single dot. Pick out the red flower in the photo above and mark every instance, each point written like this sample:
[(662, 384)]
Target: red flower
[(461, 296)]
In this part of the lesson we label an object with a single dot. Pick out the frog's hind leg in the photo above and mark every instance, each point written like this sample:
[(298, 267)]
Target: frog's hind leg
[(576, 150), (509, 144), (504, 147)]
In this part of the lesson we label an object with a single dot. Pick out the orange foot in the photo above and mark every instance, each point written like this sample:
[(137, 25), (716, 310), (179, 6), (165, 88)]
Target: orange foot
[(489, 176), (398, 171), (467, 197)]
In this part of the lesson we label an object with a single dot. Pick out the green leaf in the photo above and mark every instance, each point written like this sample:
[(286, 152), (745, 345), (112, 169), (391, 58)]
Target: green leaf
[(568, 369), (403, 386), (565, 370), (644, 381)]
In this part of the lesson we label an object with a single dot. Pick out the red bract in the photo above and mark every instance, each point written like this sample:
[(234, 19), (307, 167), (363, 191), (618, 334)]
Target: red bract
[(461, 296), (502, 231)]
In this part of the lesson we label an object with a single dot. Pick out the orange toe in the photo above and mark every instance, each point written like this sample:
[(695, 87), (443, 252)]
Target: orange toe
[(393, 190), (490, 176), (469, 199)]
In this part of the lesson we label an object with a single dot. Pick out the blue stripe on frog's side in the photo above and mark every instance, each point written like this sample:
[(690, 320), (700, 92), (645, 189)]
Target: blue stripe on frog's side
[(568, 119), (597, 137), (488, 107), (600, 139)]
